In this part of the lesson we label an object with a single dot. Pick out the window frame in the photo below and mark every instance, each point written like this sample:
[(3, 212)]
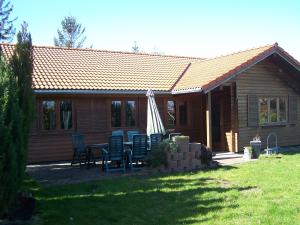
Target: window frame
[(278, 122), (57, 115), (175, 112), (123, 113)]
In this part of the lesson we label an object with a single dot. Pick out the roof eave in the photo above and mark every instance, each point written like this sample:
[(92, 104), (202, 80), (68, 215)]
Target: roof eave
[(99, 92)]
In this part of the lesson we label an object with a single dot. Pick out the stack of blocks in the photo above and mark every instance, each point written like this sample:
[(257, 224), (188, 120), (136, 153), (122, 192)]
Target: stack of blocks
[(187, 158)]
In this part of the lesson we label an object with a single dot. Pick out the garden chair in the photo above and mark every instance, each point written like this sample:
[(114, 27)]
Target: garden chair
[(155, 140), (130, 134), (114, 153), (79, 149), (117, 133), (139, 149)]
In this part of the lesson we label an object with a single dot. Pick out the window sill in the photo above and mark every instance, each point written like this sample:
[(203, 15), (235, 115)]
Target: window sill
[(282, 124)]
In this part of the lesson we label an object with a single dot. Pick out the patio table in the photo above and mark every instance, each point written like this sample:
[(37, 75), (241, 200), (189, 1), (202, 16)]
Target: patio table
[(92, 147), (101, 146)]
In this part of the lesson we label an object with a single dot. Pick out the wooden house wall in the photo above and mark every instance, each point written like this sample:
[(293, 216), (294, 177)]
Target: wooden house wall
[(91, 116), (263, 80)]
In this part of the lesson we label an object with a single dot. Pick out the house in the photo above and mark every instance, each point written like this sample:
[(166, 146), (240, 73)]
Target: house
[(222, 102)]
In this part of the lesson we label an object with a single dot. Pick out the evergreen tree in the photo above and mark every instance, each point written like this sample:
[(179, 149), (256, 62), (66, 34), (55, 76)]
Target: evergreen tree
[(135, 48), (22, 66), (11, 138), (7, 31), (16, 114), (71, 35)]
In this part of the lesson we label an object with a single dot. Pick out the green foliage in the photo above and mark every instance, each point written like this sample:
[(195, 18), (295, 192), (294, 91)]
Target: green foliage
[(16, 115), (71, 34), (7, 30), (228, 195), (159, 157), (11, 138)]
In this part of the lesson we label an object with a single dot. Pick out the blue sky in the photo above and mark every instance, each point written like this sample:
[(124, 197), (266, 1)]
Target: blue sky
[(179, 27)]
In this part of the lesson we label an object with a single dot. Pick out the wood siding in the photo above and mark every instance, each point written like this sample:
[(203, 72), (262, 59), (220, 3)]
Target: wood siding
[(264, 80), (91, 116)]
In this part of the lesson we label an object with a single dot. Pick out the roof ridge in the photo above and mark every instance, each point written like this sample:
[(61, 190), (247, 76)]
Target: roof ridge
[(238, 52), (111, 51)]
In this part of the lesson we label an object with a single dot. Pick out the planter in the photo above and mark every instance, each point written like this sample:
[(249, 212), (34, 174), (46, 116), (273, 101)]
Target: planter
[(247, 153), (256, 146)]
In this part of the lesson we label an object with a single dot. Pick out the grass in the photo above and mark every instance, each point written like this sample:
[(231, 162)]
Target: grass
[(263, 192)]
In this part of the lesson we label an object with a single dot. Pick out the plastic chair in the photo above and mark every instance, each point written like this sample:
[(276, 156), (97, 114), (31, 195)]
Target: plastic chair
[(79, 148), (117, 133), (155, 140), (139, 149), (114, 153), (131, 133)]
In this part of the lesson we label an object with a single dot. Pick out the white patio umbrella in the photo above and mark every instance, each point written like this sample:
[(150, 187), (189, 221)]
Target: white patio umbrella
[(154, 123)]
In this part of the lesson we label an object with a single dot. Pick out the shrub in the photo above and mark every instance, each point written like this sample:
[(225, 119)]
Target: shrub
[(206, 155), (159, 157), (11, 139)]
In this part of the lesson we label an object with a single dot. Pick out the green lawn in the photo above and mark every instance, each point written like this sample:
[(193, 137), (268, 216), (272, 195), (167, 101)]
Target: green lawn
[(263, 192)]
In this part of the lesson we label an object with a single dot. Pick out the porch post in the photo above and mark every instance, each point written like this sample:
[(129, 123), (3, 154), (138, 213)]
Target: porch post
[(208, 121)]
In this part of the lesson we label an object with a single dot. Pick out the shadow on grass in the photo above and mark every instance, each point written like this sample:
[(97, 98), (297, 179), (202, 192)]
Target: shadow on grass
[(136, 200)]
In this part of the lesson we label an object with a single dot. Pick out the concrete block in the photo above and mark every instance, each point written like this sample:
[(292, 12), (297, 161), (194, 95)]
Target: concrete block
[(179, 155), (194, 147)]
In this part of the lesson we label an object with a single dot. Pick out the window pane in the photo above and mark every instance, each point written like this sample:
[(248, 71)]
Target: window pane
[(183, 114), (49, 115), (116, 113), (171, 113), (263, 113), (282, 109), (130, 113), (273, 110), (66, 115)]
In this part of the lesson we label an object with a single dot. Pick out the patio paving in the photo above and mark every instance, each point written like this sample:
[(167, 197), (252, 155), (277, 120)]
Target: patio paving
[(229, 158), (63, 173)]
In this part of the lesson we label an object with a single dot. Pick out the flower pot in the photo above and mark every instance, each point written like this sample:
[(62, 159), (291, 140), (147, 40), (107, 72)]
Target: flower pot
[(247, 153)]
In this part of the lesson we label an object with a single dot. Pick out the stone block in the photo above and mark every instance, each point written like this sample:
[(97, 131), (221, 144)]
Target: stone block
[(194, 147), (179, 155)]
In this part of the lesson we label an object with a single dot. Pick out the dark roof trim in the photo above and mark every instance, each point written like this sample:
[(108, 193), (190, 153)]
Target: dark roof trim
[(102, 92)]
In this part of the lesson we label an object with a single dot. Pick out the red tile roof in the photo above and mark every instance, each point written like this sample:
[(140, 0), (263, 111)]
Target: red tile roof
[(93, 70), (88, 69)]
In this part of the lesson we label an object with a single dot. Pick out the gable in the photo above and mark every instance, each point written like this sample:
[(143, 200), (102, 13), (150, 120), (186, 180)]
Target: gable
[(209, 74)]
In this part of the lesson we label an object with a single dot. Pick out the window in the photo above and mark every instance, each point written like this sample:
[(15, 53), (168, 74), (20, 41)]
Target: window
[(49, 117), (183, 114), (263, 112), (171, 113), (282, 109), (130, 114), (272, 110), (116, 109), (123, 113), (66, 115), (57, 114)]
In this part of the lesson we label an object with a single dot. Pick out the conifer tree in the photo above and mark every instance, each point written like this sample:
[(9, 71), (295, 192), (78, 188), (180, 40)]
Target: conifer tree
[(71, 34)]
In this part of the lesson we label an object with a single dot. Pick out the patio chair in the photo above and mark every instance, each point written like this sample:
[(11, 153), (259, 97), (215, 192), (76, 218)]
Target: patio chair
[(171, 135), (155, 140), (130, 134), (79, 149), (114, 153), (117, 133), (139, 149)]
